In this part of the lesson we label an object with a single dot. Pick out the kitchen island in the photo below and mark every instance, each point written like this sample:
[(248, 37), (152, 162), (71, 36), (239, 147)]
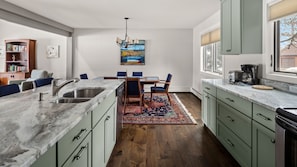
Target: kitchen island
[(29, 127)]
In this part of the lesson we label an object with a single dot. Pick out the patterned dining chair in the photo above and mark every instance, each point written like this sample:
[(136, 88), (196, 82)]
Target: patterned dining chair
[(163, 89), (9, 89), (83, 76), (137, 74)]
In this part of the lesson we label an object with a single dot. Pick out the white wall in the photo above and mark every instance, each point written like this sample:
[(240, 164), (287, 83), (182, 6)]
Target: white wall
[(230, 62), (166, 51), (10, 30)]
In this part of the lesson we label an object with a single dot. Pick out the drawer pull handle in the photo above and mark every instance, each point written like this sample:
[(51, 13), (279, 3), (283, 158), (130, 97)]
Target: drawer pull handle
[(272, 140), (231, 100), (107, 118), (78, 136), (264, 117), (207, 88), (228, 50), (78, 155), (229, 142), (230, 119)]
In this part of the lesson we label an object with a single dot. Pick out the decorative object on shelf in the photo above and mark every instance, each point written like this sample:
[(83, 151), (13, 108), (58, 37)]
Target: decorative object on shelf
[(52, 51), (133, 54), (13, 57), (127, 41)]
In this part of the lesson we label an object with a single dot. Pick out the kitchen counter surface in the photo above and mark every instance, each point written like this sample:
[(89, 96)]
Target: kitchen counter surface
[(29, 127), (270, 99)]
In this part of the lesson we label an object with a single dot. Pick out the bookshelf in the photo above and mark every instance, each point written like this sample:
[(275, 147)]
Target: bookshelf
[(19, 59)]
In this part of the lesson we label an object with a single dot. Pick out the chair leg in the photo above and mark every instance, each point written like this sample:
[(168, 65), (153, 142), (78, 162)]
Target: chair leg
[(151, 96), (168, 98)]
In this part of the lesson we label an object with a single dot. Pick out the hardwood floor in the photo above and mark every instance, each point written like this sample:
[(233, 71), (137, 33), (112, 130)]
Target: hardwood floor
[(171, 145)]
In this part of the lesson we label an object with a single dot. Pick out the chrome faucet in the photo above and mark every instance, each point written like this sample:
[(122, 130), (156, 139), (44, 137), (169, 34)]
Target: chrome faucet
[(56, 88)]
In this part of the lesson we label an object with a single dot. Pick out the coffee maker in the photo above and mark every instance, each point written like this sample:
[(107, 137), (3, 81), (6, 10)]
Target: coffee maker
[(250, 74)]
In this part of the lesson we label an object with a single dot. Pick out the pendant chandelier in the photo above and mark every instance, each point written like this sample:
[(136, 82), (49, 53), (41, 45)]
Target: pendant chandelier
[(127, 41)]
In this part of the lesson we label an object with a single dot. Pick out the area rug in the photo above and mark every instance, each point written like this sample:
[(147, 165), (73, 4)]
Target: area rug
[(158, 111)]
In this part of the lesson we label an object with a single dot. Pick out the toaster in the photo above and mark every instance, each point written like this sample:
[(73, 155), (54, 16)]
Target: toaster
[(235, 76)]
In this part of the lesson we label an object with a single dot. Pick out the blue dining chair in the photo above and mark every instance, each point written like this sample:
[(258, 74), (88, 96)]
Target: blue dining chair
[(137, 74), (133, 89), (43, 82), (9, 89), (83, 76), (163, 89), (121, 74)]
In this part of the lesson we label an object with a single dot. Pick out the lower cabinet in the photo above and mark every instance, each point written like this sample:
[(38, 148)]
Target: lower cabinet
[(209, 107), (48, 159), (263, 146), (236, 147), (104, 138), (81, 157)]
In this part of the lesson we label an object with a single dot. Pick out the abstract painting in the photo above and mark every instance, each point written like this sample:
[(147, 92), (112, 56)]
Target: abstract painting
[(134, 54)]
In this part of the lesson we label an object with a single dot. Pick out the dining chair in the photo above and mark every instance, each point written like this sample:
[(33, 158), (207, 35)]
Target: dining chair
[(163, 89), (133, 89), (27, 85), (9, 89), (83, 76), (43, 82), (137, 74), (121, 74)]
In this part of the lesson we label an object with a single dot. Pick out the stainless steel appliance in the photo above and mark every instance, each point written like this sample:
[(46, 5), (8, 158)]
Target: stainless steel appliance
[(120, 93), (286, 137), (250, 74), (235, 76)]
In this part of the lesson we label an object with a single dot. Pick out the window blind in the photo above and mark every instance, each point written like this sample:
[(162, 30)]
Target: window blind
[(211, 37), (282, 8)]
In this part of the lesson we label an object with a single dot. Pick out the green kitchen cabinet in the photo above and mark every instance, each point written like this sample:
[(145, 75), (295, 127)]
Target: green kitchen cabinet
[(241, 26), (263, 137), (48, 159), (263, 146), (81, 157), (209, 107), (104, 137)]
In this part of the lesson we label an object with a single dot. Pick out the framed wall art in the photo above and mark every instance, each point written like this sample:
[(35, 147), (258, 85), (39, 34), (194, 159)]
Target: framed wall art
[(134, 54), (52, 51)]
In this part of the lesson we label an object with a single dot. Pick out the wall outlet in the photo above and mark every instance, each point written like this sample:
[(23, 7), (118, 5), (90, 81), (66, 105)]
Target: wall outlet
[(293, 89)]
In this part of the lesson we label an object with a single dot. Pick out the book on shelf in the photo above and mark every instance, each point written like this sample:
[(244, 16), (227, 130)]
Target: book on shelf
[(16, 68)]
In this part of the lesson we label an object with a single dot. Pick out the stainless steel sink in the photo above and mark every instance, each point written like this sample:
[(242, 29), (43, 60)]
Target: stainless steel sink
[(71, 100), (84, 92)]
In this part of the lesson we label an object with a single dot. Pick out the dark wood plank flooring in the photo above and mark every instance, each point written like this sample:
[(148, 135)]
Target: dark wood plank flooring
[(171, 145)]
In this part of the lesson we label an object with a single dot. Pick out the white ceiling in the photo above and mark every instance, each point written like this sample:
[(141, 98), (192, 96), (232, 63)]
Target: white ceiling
[(111, 13)]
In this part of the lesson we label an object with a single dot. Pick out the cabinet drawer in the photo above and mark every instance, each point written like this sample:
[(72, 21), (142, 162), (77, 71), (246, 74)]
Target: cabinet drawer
[(73, 138), (209, 88), (236, 102), (264, 116), (239, 150), (81, 157), (238, 123), (99, 111)]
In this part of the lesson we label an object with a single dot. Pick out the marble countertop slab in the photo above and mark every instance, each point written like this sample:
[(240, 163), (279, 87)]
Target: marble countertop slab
[(270, 99), (29, 127)]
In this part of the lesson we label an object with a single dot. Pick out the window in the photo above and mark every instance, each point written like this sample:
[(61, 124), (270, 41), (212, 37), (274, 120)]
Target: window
[(212, 59), (285, 44)]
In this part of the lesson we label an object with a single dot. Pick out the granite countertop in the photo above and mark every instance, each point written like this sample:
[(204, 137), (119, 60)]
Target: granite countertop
[(29, 127), (270, 99)]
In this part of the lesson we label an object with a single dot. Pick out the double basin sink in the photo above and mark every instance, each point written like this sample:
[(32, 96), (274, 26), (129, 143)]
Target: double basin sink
[(79, 95)]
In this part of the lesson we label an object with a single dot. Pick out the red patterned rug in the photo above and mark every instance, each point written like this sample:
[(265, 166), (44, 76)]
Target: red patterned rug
[(158, 111)]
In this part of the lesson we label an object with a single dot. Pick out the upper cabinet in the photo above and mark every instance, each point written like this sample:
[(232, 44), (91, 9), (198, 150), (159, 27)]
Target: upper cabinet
[(241, 26), (20, 55)]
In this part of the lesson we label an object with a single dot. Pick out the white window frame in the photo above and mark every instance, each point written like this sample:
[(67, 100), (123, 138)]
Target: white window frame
[(214, 51)]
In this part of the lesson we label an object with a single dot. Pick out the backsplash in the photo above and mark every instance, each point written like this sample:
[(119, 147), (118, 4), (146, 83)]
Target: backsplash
[(283, 86)]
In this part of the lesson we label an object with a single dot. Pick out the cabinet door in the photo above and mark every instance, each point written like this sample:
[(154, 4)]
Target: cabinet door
[(204, 108), (98, 144), (263, 146), (211, 116), (230, 27), (109, 132), (81, 157), (48, 159)]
